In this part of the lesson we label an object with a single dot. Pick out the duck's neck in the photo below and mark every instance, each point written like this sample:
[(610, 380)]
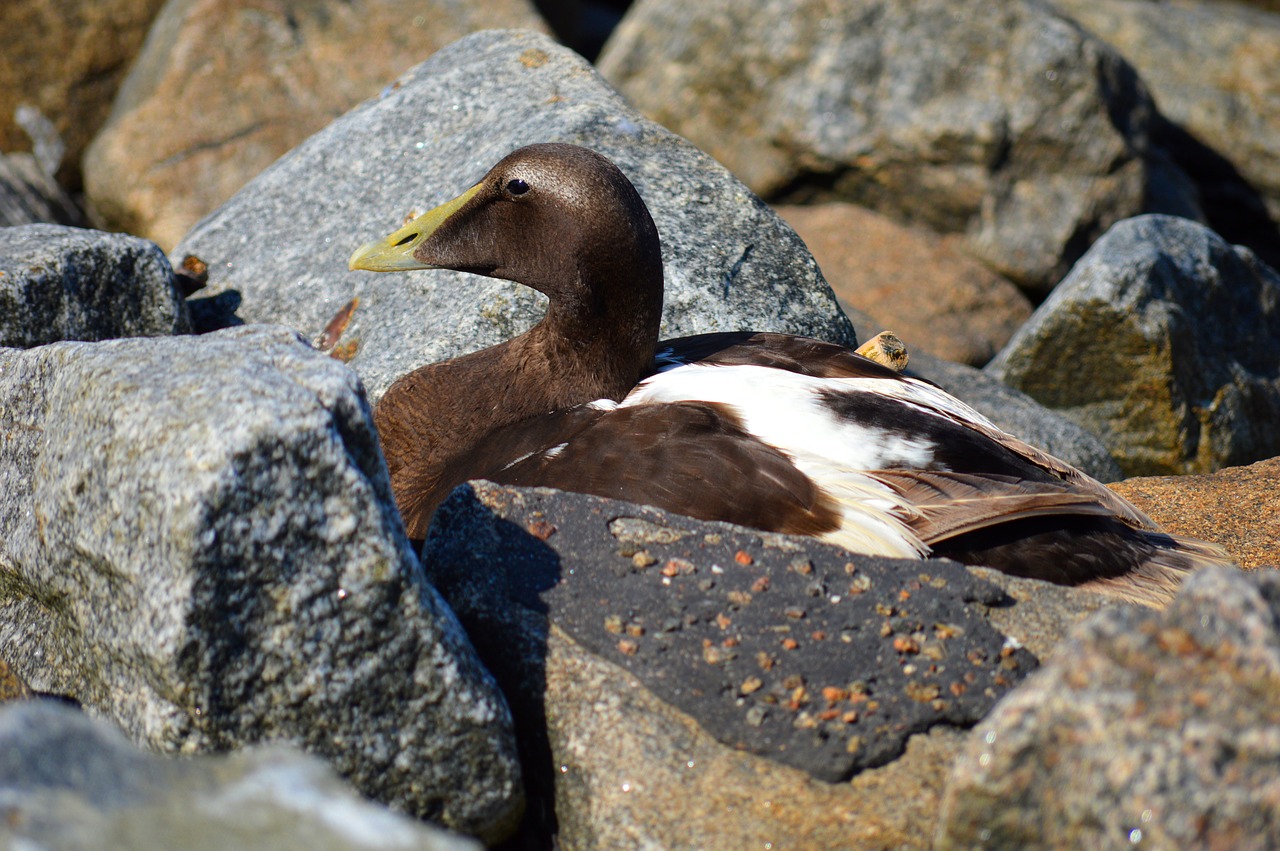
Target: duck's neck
[(433, 419)]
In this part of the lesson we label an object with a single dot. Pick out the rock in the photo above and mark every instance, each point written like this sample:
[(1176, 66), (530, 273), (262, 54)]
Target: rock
[(730, 262), (1212, 68), (62, 283), (64, 60), (1165, 342), (1008, 125), (12, 686), (1159, 728), (198, 541), (667, 671), (1238, 507), (72, 782), (921, 286), (29, 196), (225, 87), (1019, 414)]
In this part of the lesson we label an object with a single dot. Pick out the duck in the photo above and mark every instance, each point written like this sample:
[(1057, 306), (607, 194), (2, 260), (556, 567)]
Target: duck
[(771, 431)]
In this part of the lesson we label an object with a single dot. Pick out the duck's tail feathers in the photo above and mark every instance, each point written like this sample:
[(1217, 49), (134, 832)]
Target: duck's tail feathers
[(1156, 580)]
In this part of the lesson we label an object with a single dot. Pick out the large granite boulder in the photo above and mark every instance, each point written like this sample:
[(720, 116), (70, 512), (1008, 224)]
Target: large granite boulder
[(283, 241), (678, 683), (1165, 341), (224, 87), (1213, 68), (1006, 123), (1143, 728), (63, 283), (198, 541), (63, 61), (75, 783)]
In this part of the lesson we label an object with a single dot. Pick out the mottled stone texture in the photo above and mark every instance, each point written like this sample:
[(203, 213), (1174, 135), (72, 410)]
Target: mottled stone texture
[(1143, 728), (198, 541), (223, 88), (74, 783), (730, 262), (1004, 122), (1165, 342), (63, 283)]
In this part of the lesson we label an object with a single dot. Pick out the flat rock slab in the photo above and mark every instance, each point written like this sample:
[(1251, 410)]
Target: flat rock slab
[(797, 651), (283, 241), (75, 783)]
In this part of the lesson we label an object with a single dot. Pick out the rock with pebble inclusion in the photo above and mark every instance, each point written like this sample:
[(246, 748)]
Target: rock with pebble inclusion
[(801, 653), (1006, 123), (1165, 342), (69, 781), (198, 540), (64, 283), (1144, 727), (730, 262)]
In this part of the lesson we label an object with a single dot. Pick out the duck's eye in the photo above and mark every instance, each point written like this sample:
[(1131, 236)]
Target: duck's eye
[(517, 186)]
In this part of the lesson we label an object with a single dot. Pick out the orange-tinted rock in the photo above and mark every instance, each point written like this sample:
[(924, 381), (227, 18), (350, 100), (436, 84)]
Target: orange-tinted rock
[(922, 286), (1238, 507)]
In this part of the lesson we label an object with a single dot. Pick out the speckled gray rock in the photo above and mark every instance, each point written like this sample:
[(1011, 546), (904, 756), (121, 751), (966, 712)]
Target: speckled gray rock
[(29, 196), (715, 665), (1165, 342), (198, 540), (73, 783), (1143, 728), (283, 241), (64, 283), (1019, 414), (1006, 123)]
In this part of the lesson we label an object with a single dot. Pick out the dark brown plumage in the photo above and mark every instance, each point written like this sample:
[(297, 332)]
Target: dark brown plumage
[(768, 430)]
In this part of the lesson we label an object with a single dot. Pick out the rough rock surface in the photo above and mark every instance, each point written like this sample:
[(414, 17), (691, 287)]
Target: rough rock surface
[(63, 61), (28, 195), (74, 783), (198, 540), (63, 283), (1165, 342), (923, 287), (1019, 414), (1158, 729), (642, 639), (1238, 507), (224, 87), (1007, 124), (730, 262), (1214, 69)]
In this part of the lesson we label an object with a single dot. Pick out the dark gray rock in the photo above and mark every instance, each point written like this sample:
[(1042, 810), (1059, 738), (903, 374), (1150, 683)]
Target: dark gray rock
[(73, 783), (63, 283), (1019, 414), (198, 540), (283, 241), (30, 196), (1143, 728), (802, 653), (1006, 123), (1165, 342)]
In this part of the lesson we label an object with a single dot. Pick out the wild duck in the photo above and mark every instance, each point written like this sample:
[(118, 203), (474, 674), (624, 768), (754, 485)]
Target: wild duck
[(772, 431)]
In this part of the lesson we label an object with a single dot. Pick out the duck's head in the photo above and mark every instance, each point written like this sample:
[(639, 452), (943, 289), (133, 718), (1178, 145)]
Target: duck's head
[(559, 218)]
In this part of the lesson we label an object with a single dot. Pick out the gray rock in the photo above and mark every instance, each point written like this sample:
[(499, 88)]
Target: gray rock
[(63, 283), (1158, 729), (29, 196), (72, 782), (198, 540), (1165, 342), (664, 670), (1007, 123), (1019, 414), (283, 241), (1212, 68), (222, 88)]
